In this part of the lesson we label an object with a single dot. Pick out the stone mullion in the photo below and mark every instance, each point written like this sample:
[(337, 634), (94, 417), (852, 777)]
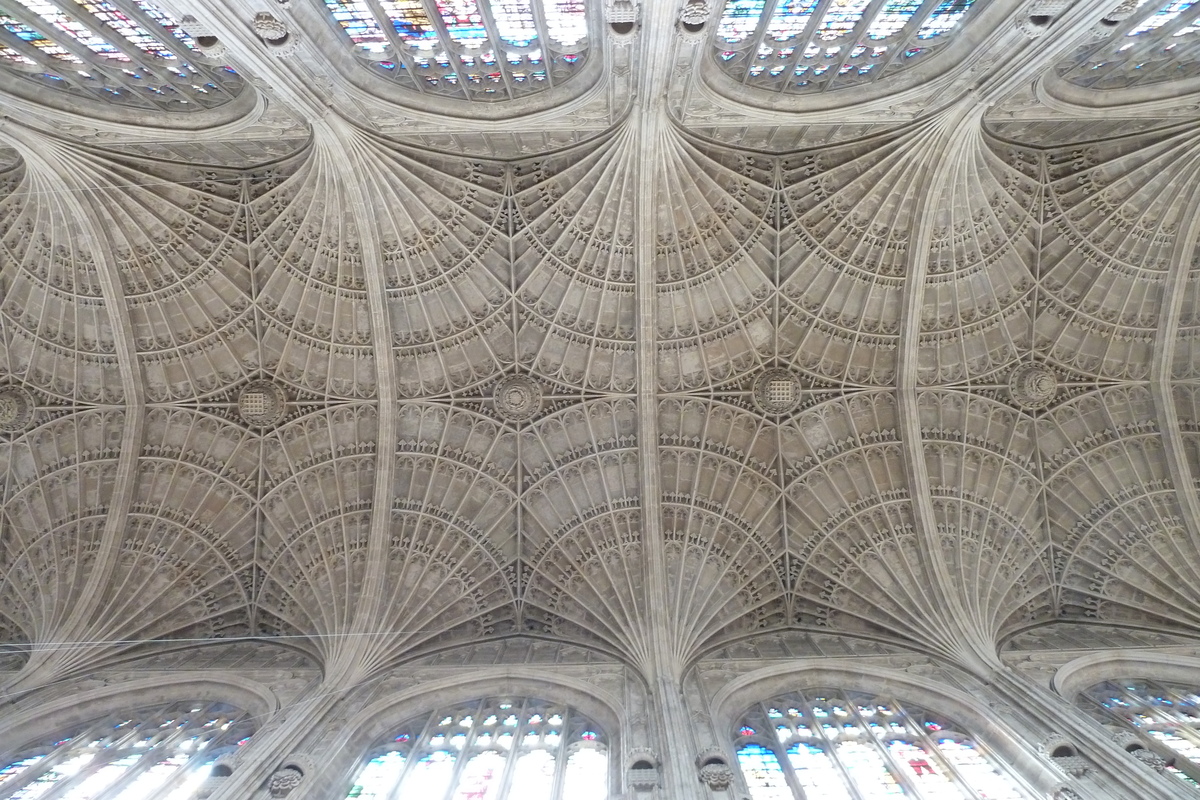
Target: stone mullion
[(948, 616), (75, 184), (1174, 294), (1112, 774)]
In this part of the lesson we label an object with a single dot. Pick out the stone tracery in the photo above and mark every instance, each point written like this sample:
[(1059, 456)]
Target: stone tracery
[(613, 392)]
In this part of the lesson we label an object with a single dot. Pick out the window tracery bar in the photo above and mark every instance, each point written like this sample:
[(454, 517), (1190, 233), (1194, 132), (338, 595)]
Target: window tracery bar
[(845, 746), (493, 749), (126, 52), (164, 753), (483, 50), (806, 46), (1156, 44), (1167, 714)]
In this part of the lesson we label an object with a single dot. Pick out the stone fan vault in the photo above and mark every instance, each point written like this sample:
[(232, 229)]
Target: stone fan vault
[(670, 381)]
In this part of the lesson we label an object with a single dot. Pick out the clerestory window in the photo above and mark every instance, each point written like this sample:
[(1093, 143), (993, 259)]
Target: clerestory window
[(1166, 714), (493, 749), (153, 754), (468, 49), (124, 52), (807, 46), (840, 745), (1155, 44)]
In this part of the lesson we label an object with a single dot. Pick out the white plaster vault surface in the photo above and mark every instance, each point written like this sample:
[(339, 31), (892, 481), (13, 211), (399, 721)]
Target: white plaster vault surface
[(638, 245)]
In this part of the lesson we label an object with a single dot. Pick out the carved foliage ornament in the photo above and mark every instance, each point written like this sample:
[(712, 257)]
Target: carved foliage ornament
[(716, 776), (16, 409), (1032, 386), (283, 781), (517, 398)]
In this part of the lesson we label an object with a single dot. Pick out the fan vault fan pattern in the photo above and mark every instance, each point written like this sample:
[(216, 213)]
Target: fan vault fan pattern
[(635, 501)]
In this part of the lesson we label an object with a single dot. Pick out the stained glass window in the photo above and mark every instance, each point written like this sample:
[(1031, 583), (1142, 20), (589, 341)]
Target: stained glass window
[(127, 52), (164, 753), (468, 49), (1166, 714), (493, 749), (847, 746), (1156, 44), (786, 46)]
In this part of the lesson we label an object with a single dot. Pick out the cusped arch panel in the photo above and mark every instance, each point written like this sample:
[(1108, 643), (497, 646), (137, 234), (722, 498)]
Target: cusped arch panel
[(588, 585), (1113, 218), (976, 315), (178, 244), (723, 459), (56, 502), (723, 523), (725, 581), (1123, 550), (711, 290), (573, 263), (432, 572), (172, 580), (981, 458), (846, 214), (57, 324), (458, 466), (578, 462), (310, 282), (443, 229)]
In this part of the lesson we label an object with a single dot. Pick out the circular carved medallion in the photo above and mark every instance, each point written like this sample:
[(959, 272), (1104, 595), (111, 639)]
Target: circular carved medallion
[(517, 398), (1032, 386), (777, 391), (16, 408), (262, 403)]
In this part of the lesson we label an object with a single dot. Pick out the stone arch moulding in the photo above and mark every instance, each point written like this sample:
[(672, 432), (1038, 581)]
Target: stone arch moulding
[(993, 20), (47, 715), (368, 727), (246, 108), (370, 90), (1085, 671), (1172, 98), (977, 720), (224, 121)]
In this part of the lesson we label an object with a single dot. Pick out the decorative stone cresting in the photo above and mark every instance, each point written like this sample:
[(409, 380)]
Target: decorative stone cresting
[(777, 391), (1151, 759), (16, 409), (694, 12), (716, 776), (269, 28), (284, 781), (517, 398), (275, 33), (262, 404), (1032, 386), (643, 769)]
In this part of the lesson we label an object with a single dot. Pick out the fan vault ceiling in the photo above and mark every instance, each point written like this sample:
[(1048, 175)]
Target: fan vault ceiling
[(346, 359)]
